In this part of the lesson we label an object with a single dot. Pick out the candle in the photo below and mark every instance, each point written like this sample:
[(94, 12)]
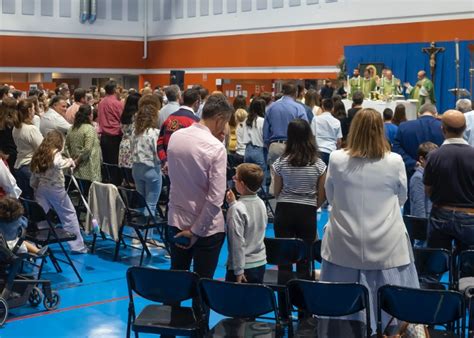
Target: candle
[(457, 49)]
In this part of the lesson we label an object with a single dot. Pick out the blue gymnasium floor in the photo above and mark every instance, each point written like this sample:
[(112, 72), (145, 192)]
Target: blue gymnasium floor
[(98, 306)]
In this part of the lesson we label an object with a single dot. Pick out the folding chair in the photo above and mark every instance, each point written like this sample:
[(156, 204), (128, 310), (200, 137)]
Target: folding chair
[(431, 264), (418, 306), (464, 271), (243, 303), (315, 256), (166, 287), (463, 281), (135, 217), (417, 227), (283, 251), (77, 189), (50, 235), (111, 173), (330, 300)]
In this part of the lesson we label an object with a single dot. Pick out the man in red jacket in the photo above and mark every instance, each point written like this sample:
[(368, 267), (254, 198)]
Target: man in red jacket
[(182, 118)]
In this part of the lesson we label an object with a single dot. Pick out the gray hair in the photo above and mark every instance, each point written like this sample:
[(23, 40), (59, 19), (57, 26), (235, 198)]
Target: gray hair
[(464, 105), (428, 108), (172, 93)]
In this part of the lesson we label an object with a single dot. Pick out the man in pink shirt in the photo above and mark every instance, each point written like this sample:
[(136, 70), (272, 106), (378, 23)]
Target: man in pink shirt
[(79, 99), (109, 113), (197, 162)]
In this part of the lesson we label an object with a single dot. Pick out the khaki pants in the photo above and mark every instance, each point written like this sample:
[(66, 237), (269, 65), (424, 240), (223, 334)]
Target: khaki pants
[(274, 152)]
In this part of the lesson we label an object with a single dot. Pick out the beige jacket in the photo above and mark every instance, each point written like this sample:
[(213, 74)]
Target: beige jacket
[(107, 208)]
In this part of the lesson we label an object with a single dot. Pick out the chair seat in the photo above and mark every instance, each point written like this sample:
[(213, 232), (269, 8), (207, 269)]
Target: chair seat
[(234, 327), (441, 334), (465, 282), (328, 328), (141, 221), (278, 279), (44, 236), (165, 319), (432, 285)]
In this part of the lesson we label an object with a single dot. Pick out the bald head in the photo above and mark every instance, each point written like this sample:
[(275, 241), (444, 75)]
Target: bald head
[(454, 123), (421, 75), (388, 74)]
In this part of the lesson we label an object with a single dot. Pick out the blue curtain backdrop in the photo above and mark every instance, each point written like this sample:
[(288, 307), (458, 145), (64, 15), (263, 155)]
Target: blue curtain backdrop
[(407, 59)]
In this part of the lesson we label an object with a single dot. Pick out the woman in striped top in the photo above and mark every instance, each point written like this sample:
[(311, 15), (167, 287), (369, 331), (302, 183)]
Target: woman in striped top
[(299, 187)]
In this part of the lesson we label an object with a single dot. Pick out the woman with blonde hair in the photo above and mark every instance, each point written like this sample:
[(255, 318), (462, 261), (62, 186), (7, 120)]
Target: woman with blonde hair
[(365, 239), (313, 100), (146, 168)]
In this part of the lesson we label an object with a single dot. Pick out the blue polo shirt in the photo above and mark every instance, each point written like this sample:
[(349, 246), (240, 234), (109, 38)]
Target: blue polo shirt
[(278, 116)]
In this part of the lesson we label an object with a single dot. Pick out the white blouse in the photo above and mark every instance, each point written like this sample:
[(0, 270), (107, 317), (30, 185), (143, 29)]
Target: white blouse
[(27, 139), (254, 134), (365, 229)]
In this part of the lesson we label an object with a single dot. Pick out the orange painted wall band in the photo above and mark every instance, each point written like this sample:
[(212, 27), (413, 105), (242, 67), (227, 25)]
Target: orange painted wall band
[(298, 48)]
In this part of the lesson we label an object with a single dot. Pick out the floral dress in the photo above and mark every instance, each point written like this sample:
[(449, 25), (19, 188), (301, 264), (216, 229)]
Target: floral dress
[(125, 150)]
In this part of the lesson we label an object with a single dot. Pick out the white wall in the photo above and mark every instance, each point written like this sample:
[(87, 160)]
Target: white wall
[(248, 16), (32, 17), (188, 18)]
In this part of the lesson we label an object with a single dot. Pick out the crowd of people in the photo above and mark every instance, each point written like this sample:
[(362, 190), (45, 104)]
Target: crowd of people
[(301, 146)]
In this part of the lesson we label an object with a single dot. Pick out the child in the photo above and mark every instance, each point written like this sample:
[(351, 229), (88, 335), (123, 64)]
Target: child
[(246, 223), (11, 220), (420, 203), (47, 180)]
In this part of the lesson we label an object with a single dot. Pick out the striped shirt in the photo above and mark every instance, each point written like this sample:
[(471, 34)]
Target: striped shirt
[(300, 184)]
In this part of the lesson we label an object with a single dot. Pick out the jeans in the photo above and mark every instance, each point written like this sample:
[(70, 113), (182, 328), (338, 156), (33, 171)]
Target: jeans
[(448, 225), (23, 175), (253, 275), (257, 155), (148, 184), (324, 157), (274, 152), (204, 253)]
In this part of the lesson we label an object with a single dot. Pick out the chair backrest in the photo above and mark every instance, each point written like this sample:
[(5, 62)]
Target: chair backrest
[(465, 266), (432, 261), (328, 299), (284, 251), (33, 211), (164, 286), (108, 171), (429, 307), (133, 200), (127, 176), (417, 227), (238, 300)]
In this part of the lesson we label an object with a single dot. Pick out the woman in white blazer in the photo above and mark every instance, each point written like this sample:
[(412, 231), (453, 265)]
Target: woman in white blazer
[(365, 240)]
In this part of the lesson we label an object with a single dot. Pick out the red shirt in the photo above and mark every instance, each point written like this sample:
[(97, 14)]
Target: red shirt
[(110, 111)]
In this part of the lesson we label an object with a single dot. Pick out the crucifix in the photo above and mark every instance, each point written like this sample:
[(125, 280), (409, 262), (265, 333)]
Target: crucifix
[(432, 51)]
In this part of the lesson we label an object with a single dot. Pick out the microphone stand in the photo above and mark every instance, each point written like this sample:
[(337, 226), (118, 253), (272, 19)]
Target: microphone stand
[(458, 66)]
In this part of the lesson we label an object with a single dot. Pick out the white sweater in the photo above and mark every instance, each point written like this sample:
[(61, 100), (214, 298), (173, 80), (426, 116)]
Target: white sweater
[(246, 223)]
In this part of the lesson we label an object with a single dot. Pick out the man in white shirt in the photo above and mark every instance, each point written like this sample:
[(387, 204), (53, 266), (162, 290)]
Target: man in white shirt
[(327, 130), (465, 106), (54, 119), (174, 95)]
